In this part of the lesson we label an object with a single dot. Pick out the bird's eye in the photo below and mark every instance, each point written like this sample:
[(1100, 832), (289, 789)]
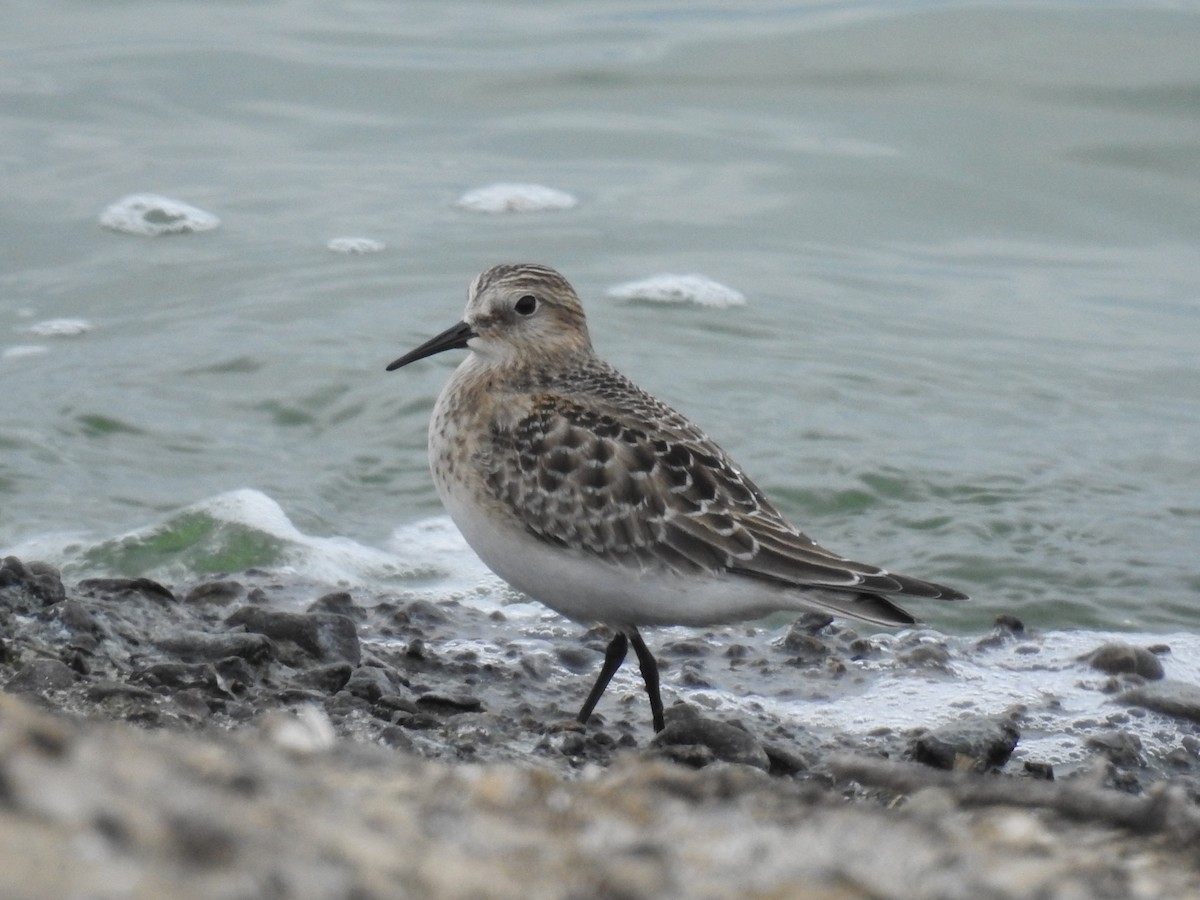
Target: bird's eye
[(526, 305)]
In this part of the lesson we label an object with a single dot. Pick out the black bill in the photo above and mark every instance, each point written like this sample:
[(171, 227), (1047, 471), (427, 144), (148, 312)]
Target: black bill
[(453, 338)]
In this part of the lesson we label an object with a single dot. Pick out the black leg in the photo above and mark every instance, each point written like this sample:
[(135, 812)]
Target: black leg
[(613, 657), (650, 676)]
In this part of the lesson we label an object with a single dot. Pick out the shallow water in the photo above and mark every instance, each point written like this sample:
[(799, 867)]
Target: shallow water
[(966, 236)]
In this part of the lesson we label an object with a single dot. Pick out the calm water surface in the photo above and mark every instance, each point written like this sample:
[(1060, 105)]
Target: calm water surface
[(967, 236)]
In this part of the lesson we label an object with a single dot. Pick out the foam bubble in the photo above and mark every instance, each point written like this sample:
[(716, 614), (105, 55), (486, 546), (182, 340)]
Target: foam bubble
[(19, 350), (152, 215), (355, 245), (679, 289), (59, 327), (513, 197)]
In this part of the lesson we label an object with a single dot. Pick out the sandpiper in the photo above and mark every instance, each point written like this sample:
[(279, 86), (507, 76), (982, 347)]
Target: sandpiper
[(591, 496)]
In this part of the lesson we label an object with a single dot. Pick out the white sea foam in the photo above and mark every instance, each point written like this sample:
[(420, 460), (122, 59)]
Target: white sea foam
[(696, 289), (16, 351), (505, 197), (355, 245), (59, 327), (152, 215)]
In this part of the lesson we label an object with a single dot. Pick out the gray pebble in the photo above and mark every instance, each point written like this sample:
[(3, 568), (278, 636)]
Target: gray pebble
[(975, 743), (726, 742), (39, 675), (1117, 659), (1172, 698)]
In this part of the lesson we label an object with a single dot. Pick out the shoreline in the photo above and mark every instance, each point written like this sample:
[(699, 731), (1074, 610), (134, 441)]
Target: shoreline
[(211, 740)]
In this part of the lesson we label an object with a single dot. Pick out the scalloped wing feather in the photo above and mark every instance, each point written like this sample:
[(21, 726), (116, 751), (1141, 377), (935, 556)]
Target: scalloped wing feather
[(578, 471)]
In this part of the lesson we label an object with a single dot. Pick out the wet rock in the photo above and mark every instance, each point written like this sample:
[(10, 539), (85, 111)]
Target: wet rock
[(106, 689), (1041, 770), (329, 678), (37, 580), (785, 760), (1009, 623), (76, 617), (143, 586), (234, 675), (371, 683), (811, 622), (1120, 747), (576, 659), (214, 593), (340, 603), (973, 743), (448, 702), (538, 666), (686, 727), (1118, 659), (176, 675), (926, 656), (325, 636), (806, 648), (1172, 698), (692, 648), (200, 645), (36, 676)]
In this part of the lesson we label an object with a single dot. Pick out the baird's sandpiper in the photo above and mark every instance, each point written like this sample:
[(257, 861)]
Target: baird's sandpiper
[(586, 493)]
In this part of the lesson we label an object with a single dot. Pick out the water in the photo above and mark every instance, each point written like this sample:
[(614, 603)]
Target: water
[(966, 235)]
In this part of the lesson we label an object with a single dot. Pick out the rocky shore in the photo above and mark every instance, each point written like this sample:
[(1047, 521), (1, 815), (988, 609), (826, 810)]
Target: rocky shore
[(259, 736)]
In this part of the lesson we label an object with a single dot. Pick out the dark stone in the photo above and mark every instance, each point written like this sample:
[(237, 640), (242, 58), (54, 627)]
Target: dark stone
[(144, 586), (1041, 770), (337, 638), (812, 622), (687, 648), (39, 675), (418, 721), (395, 737), (37, 580), (1173, 698), (106, 689), (975, 743), (785, 761), (572, 744), (726, 742), (214, 593), (419, 611), (805, 647), (537, 665), (389, 704), (199, 645), (1006, 622), (339, 602), (176, 675), (450, 702), (576, 659), (326, 636), (1121, 747), (330, 678), (1118, 659), (77, 618), (926, 656), (234, 675), (371, 683), (695, 756)]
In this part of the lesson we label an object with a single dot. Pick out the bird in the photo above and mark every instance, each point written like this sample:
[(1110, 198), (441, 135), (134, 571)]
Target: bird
[(588, 494)]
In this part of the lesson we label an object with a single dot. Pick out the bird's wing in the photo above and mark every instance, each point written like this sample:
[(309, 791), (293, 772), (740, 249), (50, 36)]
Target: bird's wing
[(660, 497)]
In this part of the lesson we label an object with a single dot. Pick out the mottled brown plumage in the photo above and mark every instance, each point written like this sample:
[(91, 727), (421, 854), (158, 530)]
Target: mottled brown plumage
[(592, 496)]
